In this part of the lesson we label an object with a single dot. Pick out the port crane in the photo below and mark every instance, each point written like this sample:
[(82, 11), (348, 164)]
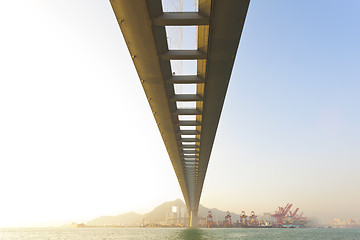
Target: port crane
[(243, 218), (227, 221), (253, 218), (281, 213), (209, 220)]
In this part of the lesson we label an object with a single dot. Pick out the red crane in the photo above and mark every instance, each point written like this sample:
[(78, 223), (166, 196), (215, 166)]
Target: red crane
[(253, 220), (287, 209), (209, 220), (243, 218), (294, 213), (281, 213), (227, 221)]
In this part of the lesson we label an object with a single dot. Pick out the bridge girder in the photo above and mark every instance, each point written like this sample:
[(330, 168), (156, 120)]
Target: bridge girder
[(220, 25)]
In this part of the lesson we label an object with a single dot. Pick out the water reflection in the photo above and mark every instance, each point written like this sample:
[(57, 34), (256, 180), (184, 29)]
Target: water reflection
[(192, 234)]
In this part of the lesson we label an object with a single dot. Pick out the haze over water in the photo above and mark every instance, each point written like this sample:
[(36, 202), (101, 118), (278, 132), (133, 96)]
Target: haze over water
[(179, 234)]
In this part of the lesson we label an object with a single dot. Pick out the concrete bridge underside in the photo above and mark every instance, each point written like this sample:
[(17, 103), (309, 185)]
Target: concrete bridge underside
[(220, 25)]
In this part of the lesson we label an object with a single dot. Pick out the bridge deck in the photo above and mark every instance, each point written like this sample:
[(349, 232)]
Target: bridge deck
[(220, 24)]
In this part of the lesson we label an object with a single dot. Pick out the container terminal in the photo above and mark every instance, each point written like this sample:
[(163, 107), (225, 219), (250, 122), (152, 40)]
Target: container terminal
[(174, 214), (283, 217)]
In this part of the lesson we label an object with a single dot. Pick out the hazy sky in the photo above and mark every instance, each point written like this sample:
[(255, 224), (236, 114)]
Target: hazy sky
[(78, 140)]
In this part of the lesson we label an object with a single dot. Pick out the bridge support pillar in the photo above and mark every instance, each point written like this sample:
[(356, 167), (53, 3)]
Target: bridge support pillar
[(193, 219)]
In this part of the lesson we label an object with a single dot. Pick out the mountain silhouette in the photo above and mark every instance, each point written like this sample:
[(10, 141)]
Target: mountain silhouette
[(159, 215)]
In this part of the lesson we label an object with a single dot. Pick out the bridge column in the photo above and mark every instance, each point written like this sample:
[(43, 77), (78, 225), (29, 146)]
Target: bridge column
[(193, 219)]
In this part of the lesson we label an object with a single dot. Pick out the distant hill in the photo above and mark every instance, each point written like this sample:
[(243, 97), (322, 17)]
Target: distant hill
[(158, 215), (217, 214), (127, 219)]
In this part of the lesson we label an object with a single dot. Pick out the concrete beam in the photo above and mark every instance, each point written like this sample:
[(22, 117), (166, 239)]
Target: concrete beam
[(183, 55), (187, 112), (190, 151), (181, 19), (189, 146), (190, 161), (184, 79), (188, 123), (186, 97), (189, 132), (190, 140)]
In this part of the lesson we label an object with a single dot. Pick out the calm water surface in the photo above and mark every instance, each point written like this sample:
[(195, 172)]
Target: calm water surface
[(178, 234)]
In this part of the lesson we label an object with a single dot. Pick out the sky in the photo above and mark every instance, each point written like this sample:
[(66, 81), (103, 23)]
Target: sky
[(78, 140)]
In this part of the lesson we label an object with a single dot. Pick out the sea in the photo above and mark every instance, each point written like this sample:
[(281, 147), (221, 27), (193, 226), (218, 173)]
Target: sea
[(179, 234)]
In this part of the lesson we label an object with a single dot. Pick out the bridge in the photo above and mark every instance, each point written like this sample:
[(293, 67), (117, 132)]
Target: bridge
[(188, 133)]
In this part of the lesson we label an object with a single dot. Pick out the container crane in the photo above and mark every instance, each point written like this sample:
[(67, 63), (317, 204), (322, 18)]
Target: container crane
[(209, 220), (281, 213), (253, 218), (243, 219), (294, 213), (227, 221)]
